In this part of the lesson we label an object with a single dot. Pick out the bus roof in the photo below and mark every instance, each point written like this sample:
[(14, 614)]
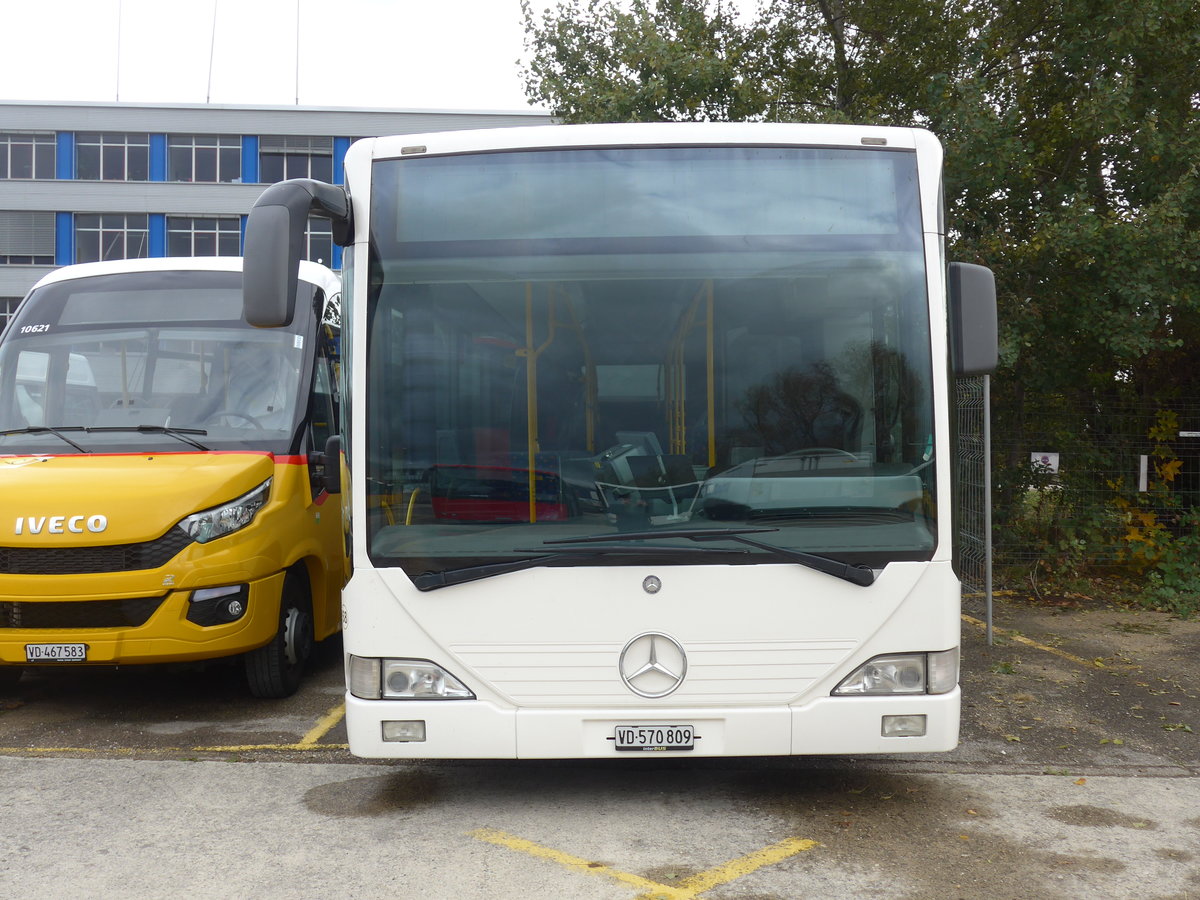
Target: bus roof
[(541, 137), (314, 273)]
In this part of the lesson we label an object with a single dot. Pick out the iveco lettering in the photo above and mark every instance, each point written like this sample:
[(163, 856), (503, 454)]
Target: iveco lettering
[(651, 437), (171, 473), (60, 524)]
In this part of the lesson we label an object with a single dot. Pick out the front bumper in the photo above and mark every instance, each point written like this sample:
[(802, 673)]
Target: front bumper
[(475, 729), (167, 636)]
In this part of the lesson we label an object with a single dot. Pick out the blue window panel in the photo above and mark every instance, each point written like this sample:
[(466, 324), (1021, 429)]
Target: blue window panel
[(158, 160), (340, 146), (64, 236), (64, 163), (249, 159), (157, 225)]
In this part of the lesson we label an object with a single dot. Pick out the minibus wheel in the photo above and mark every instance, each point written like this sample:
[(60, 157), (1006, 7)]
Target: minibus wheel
[(275, 670)]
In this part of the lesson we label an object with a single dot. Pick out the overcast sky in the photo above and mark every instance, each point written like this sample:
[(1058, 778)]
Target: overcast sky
[(423, 54)]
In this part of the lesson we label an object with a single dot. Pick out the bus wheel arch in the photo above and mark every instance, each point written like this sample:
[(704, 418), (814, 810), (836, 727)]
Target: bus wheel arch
[(275, 669), (324, 591)]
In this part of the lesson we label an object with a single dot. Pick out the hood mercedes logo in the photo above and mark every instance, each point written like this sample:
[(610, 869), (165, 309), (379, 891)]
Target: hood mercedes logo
[(653, 664)]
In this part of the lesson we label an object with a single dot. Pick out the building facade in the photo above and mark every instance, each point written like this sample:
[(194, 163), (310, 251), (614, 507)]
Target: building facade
[(82, 182)]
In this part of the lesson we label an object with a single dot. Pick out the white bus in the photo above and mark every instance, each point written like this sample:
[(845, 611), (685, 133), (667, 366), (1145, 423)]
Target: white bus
[(649, 437)]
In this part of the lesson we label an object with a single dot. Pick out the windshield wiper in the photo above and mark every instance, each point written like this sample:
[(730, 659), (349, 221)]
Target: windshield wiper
[(860, 575), (180, 434), (432, 580), (46, 429)]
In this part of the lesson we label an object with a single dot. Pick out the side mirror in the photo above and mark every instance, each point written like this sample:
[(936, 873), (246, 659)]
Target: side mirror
[(974, 334), (274, 245), (331, 463)]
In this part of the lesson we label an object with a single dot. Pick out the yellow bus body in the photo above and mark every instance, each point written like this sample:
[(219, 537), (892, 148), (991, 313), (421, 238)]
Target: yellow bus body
[(54, 506)]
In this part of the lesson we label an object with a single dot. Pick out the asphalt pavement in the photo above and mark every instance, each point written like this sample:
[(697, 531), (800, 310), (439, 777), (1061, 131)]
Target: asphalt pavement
[(1076, 777)]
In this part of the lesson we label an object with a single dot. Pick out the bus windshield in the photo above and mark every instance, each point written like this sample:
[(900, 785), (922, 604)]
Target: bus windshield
[(147, 360), (572, 344)]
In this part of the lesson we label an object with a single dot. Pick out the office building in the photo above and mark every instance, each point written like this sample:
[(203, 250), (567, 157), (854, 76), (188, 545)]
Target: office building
[(81, 182)]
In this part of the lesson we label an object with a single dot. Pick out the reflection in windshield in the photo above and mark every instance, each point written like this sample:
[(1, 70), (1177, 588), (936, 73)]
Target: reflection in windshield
[(546, 385)]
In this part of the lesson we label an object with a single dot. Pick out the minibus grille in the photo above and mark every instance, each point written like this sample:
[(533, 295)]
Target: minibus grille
[(125, 613), (90, 560)]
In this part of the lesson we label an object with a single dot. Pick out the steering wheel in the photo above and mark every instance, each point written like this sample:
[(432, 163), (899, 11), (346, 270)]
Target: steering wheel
[(224, 413)]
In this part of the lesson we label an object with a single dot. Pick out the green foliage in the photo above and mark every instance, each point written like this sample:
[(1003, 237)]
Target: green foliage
[(1072, 130), (639, 62), (1174, 583)]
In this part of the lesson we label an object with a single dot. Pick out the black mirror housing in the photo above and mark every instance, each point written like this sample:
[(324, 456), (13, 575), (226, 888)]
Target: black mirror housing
[(274, 245), (974, 333), (332, 464)]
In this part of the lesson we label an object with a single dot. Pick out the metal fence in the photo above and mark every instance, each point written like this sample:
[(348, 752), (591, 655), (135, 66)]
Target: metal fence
[(1080, 484), (972, 482)]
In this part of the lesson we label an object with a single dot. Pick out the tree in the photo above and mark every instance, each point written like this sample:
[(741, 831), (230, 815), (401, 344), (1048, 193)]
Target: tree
[(673, 60), (1072, 130)]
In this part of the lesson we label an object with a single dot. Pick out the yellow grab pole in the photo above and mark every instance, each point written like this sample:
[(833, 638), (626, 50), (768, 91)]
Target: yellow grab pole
[(712, 377), (531, 432)]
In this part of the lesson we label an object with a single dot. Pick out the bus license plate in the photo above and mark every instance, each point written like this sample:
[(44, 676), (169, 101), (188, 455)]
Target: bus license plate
[(652, 738), (55, 653)]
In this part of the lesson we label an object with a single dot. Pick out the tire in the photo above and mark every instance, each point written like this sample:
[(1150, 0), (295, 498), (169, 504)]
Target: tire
[(275, 671)]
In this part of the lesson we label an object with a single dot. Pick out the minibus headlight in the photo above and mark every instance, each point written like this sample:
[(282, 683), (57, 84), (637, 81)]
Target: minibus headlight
[(403, 679), (222, 520), (903, 673)]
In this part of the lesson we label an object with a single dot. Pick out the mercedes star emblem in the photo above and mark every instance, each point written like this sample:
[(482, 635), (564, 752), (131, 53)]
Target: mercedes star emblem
[(653, 664)]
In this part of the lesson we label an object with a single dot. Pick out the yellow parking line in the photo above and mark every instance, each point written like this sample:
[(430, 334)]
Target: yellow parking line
[(574, 863), (242, 748), (129, 751), (687, 889), (324, 725), (744, 865), (1021, 639)]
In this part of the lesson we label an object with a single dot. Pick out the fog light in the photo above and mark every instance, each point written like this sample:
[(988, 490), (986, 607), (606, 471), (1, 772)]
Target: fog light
[(410, 731), (903, 726), (218, 605)]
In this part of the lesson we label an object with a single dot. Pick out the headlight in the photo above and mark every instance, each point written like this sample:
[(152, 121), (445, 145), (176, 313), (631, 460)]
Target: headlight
[(403, 679), (222, 520), (903, 673)]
